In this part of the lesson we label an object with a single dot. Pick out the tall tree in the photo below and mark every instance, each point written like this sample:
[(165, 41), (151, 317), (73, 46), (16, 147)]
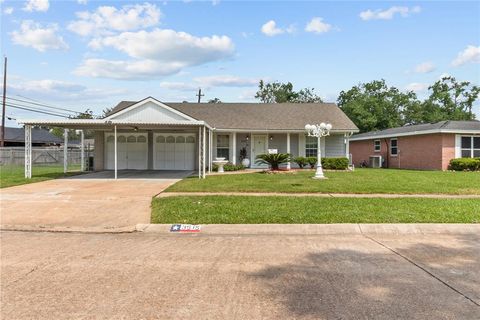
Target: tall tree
[(277, 92), (375, 106)]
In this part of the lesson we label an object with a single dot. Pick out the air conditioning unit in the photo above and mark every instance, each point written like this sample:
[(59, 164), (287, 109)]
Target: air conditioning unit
[(375, 161)]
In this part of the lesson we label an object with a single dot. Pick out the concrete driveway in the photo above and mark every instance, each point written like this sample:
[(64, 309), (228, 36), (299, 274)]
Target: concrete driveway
[(154, 276), (86, 201)]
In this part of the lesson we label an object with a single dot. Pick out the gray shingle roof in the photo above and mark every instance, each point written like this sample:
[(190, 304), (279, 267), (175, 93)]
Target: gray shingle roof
[(260, 116), (38, 135), (448, 125)]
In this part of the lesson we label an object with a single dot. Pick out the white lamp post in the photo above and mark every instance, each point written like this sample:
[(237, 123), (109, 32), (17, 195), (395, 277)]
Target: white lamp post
[(318, 130)]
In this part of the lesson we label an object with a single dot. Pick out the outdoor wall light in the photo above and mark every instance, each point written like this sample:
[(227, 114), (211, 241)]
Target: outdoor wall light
[(271, 138)]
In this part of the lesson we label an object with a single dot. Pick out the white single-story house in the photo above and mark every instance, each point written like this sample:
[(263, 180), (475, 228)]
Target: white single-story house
[(154, 135)]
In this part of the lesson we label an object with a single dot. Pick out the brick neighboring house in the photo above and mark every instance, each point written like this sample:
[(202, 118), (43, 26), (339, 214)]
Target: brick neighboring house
[(425, 146)]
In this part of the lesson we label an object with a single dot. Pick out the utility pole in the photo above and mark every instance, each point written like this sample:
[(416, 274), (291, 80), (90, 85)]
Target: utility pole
[(199, 94), (2, 138)]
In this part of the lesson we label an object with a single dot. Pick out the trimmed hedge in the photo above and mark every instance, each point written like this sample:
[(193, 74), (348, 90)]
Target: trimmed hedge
[(229, 167), (335, 163), (300, 161), (327, 163), (465, 164)]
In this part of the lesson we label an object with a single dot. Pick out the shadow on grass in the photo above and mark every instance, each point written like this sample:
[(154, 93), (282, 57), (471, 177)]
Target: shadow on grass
[(377, 284)]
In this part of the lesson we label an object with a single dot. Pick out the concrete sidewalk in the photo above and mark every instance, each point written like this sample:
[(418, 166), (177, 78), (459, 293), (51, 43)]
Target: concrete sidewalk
[(322, 195)]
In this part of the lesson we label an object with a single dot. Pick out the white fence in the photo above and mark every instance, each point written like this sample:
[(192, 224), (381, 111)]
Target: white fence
[(40, 156)]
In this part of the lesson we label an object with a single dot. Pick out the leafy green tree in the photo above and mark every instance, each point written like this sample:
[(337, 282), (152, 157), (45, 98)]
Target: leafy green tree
[(277, 92), (375, 106), (214, 100)]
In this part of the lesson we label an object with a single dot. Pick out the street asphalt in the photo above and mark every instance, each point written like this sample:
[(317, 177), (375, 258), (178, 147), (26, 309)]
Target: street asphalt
[(206, 276)]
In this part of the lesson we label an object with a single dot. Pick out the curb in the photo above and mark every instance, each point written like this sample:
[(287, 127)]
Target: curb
[(41, 228), (164, 194), (320, 229)]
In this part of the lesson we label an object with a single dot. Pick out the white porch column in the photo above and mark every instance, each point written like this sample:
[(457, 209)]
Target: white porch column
[(115, 150), (65, 150), (82, 151), (199, 152), (234, 148), (209, 151), (289, 166), (347, 145), (28, 151), (204, 151)]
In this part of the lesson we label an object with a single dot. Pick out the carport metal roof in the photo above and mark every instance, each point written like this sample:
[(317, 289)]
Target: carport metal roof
[(110, 124)]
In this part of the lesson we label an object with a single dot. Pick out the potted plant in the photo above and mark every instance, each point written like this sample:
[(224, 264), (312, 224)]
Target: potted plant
[(243, 157)]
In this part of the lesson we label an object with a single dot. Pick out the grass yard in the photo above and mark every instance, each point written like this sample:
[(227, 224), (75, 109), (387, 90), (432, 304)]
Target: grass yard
[(359, 181), (14, 175), (251, 210)]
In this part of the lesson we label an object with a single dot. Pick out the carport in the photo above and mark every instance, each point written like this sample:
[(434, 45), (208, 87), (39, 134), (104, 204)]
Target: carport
[(135, 138)]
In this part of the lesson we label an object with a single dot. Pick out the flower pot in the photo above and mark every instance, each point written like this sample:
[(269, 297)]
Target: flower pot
[(246, 162)]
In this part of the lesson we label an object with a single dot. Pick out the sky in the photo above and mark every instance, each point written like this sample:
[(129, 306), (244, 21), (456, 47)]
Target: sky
[(83, 54)]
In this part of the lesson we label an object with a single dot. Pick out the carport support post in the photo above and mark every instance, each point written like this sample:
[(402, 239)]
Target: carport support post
[(65, 150), (209, 151), (28, 151), (82, 151), (115, 147), (199, 152), (204, 151)]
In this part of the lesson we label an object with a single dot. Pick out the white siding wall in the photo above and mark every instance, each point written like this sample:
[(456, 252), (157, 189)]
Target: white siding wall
[(151, 112), (335, 146)]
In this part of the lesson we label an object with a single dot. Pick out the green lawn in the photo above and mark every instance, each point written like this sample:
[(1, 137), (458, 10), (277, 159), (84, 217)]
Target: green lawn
[(14, 175), (359, 181), (251, 209)]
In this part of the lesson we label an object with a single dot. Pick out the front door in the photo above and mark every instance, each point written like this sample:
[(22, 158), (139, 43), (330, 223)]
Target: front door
[(259, 146)]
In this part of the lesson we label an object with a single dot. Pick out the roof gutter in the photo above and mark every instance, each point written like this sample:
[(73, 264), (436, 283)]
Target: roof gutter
[(414, 133)]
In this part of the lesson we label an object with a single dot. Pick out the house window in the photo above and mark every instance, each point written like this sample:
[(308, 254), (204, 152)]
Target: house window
[(376, 145), (393, 147), (222, 146), (470, 147), (311, 144)]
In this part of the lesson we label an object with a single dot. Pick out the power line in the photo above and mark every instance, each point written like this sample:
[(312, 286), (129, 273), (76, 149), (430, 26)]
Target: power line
[(32, 110), (38, 108), (44, 105)]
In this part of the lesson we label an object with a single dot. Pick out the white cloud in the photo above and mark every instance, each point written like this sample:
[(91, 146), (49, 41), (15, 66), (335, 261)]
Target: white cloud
[(65, 90), (270, 29), (8, 10), (210, 82), (179, 86), (417, 87), (82, 2), (33, 35), (388, 14), (36, 5), (425, 67), (226, 81), (471, 54), (317, 25), (107, 19), (156, 53)]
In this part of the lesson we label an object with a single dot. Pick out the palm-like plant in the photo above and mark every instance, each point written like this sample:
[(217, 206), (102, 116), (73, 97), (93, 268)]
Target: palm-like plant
[(273, 160)]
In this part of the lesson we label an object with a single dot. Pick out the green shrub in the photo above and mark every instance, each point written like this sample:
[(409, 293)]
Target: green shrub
[(465, 164), (229, 167), (335, 163), (312, 162), (300, 161), (273, 160)]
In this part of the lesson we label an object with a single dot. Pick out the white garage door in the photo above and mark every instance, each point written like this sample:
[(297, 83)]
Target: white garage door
[(174, 151), (132, 151)]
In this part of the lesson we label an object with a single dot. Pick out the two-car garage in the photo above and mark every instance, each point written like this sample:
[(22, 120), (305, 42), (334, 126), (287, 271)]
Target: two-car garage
[(171, 151)]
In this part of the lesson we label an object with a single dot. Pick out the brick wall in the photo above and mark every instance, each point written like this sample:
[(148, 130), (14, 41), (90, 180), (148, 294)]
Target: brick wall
[(426, 152)]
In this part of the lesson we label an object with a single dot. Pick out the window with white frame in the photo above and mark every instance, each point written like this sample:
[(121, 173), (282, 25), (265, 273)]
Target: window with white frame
[(222, 146), (376, 145), (470, 146), (393, 146), (311, 146)]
